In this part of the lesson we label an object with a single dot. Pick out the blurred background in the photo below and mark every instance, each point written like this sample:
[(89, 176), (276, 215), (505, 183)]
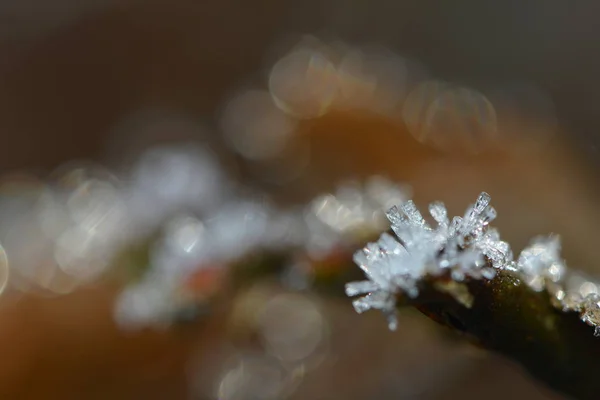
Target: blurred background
[(292, 98)]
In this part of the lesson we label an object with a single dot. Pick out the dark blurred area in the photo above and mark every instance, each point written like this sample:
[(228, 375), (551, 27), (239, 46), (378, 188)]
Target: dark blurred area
[(80, 78), (71, 70)]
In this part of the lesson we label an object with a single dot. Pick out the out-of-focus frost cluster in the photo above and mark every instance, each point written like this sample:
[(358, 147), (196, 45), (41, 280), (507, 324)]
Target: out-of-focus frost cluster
[(66, 233), (193, 246), (59, 235)]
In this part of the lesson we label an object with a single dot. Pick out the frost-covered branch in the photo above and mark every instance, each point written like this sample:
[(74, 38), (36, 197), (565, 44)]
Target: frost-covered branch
[(462, 275), (531, 309), (181, 240), (509, 317)]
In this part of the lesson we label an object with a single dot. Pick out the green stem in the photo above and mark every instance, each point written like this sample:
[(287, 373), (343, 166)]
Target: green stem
[(508, 317)]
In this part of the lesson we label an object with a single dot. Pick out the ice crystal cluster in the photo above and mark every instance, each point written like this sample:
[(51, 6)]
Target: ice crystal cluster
[(457, 250)]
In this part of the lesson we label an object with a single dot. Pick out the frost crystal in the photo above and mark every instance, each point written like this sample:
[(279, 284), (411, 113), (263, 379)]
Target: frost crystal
[(541, 263), (591, 312), (395, 267), (463, 248)]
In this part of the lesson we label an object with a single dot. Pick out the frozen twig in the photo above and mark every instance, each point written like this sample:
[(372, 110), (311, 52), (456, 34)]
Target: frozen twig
[(459, 272), (462, 275)]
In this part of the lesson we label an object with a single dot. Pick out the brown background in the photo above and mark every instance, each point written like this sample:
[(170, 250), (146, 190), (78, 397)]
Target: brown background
[(70, 71)]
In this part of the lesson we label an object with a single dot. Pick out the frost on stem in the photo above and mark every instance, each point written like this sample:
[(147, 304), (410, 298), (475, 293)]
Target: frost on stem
[(454, 252), (396, 266)]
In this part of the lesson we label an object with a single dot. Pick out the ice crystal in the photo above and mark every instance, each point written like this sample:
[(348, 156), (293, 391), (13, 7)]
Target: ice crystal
[(396, 266), (579, 293), (463, 248), (591, 312), (541, 263)]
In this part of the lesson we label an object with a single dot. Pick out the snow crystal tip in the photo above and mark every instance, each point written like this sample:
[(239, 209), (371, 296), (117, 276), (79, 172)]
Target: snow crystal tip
[(412, 213), (394, 216), (361, 305), (392, 322), (360, 287), (483, 200), (439, 213)]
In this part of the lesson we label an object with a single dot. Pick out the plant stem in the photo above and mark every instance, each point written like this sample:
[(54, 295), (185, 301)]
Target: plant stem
[(510, 318)]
